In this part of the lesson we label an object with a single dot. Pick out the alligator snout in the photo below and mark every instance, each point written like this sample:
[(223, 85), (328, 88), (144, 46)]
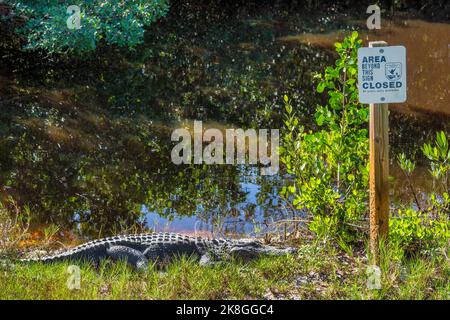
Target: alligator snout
[(281, 251), (291, 250)]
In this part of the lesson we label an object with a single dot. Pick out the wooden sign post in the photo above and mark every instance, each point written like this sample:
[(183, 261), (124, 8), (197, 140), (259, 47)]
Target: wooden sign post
[(382, 80), (379, 171)]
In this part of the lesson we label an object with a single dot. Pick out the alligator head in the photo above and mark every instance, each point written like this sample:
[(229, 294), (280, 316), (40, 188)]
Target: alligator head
[(248, 250)]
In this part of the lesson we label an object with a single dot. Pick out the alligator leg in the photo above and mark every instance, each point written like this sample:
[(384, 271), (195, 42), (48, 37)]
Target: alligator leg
[(134, 257), (162, 253), (159, 254)]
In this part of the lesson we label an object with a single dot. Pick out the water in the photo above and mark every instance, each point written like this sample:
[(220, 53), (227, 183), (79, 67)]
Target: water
[(239, 220), (86, 145)]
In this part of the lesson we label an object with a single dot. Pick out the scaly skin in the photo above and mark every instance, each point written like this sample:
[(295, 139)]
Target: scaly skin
[(139, 249)]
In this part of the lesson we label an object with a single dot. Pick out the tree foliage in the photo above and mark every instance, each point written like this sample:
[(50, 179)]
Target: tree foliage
[(115, 22)]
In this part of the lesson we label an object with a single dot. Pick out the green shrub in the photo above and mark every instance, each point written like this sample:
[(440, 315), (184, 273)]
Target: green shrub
[(428, 224), (115, 22), (439, 156), (414, 229), (330, 166)]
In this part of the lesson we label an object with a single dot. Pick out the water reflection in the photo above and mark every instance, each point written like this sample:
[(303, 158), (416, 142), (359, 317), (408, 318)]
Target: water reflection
[(250, 216), (86, 145)]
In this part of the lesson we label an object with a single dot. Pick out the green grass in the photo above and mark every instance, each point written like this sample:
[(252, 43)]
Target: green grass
[(317, 272)]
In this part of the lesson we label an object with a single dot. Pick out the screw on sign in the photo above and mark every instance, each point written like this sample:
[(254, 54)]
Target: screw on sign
[(381, 80)]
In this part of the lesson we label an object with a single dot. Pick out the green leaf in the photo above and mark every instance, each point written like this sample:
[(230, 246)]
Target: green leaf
[(321, 87)]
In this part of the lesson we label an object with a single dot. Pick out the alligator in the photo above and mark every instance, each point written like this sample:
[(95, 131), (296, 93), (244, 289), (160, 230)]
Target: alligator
[(160, 248)]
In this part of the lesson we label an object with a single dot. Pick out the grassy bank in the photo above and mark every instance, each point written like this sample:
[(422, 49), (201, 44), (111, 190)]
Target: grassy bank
[(317, 272)]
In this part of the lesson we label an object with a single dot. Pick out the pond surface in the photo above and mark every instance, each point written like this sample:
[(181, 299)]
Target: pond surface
[(86, 145)]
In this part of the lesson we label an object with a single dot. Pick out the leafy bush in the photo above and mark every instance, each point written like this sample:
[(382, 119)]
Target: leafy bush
[(116, 22), (415, 229), (330, 166), (428, 224)]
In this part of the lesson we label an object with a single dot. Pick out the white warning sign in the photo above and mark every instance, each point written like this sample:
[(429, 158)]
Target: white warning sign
[(382, 74)]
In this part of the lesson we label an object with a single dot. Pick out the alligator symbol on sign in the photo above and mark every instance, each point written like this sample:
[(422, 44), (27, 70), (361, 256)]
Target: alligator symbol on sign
[(393, 71)]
